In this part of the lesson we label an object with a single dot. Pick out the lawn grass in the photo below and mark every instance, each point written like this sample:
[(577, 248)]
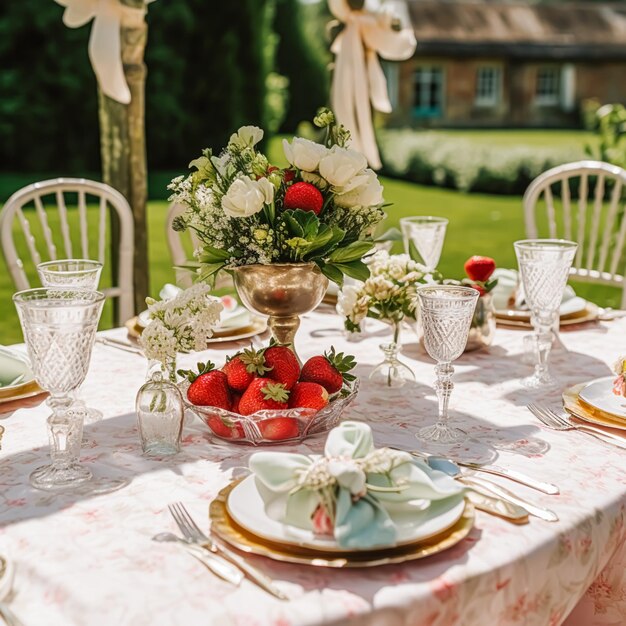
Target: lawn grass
[(479, 224)]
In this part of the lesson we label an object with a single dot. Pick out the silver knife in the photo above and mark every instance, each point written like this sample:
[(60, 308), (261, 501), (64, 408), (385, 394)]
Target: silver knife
[(121, 345), (484, 500), (544, 514), (514, 475)]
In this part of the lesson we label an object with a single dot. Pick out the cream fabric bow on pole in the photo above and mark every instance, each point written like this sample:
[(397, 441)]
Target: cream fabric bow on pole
[(105, 46), (358, 79)]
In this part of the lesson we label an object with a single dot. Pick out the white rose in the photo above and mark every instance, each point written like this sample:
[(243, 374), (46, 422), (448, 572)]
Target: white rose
[(303, 154), (245, 196), (363, 190), (246, 137), (340, 165)]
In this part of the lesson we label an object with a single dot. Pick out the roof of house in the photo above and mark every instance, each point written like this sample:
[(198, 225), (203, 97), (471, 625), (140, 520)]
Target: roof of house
[(585, 30)]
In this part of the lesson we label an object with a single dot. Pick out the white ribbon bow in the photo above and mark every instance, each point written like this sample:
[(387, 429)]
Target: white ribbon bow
[(358, 77), (105, 47)]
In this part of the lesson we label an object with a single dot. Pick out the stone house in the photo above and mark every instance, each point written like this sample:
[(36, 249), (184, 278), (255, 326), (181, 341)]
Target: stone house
[(490, 64)]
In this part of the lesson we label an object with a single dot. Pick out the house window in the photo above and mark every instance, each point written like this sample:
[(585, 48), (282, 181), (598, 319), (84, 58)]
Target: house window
[(488, 86), (428, 91), (547, 88)]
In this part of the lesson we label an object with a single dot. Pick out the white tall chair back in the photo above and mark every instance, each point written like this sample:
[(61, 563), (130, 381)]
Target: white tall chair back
[(180, 255), (583, 202), (47, 231)]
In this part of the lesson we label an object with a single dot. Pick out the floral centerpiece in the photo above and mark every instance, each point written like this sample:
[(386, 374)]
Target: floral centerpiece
[(245, 211), (180, 324), (388, 294)]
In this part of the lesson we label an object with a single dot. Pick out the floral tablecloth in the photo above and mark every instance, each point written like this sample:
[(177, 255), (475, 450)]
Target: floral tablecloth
[(89, 560)]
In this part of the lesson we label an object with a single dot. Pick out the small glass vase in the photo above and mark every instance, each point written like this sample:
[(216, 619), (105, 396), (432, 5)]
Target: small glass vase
[(160, 411), (392, 372), (483, 327)]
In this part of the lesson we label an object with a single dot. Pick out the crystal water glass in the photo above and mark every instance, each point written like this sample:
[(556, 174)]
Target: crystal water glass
[(544, 266), (446, 312), (427, 234), (74, 273), (59, 327)]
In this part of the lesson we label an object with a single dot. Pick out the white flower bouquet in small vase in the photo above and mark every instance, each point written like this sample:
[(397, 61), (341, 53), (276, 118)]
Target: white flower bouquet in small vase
[(389, 294), (282, 233)]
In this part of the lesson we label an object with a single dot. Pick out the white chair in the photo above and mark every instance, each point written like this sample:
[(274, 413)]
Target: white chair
[(594, 218), (48, 230), (180, 256)]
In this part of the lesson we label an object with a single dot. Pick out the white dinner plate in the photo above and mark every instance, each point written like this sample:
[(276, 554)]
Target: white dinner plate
[(12, 365), (573, 306), (599, 394), (246, 508)]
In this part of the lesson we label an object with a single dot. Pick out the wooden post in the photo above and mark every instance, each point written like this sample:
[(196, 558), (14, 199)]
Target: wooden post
[(123, 149)]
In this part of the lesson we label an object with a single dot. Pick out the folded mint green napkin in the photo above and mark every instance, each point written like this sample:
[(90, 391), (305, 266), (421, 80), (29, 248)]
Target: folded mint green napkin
[(358, 487)]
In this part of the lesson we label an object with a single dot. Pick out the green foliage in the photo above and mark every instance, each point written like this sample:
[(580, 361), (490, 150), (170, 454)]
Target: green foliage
[(609, 123), (432, 158)]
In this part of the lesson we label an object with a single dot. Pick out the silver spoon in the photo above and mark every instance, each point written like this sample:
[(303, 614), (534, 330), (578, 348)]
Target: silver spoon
[(5, 612), (220, 567)]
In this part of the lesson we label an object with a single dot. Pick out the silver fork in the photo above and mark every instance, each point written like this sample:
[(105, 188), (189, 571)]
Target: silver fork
[(192, 533), (553, 420)]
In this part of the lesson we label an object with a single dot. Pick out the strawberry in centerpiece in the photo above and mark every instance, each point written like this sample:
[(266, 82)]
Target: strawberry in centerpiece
[(279, 428), (480, 268), (304, 196), (263, 394), (223, 427), (308, 396), (330, 370), (243, 367), (209, 387), (280, 364)]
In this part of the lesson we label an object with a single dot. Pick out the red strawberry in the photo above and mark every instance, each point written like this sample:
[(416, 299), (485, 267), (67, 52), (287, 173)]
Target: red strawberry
[(308, 396), (479, 288), (304, 196), (330, 370), (242, 368), (279, 428), (480, 268), (209, 387), (281, 365), (263, 394), (288, 175), (223, 427)]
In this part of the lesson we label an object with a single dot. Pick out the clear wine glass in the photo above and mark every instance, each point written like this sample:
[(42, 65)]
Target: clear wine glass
[(446, 312), (544, 266), (59, 326), (427, 234), (75, 274)]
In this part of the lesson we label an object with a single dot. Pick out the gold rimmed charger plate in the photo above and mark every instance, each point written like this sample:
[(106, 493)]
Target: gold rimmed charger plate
[(521, 319), (257, 326), (229, 531), (586, 413), (20, 392)]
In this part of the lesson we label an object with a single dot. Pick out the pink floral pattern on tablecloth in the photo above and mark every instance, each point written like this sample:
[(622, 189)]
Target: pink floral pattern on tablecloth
[(83, 559)]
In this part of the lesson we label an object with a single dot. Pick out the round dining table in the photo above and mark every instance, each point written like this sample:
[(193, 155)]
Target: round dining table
[(85, 559)]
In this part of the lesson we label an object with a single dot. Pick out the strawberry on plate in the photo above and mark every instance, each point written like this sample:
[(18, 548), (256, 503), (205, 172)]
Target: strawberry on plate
[(223, 427), (281, 365), (279, 428), (330, 370), (308, 396), (209, 387), (263, 394), (480, 268), (243, 367)]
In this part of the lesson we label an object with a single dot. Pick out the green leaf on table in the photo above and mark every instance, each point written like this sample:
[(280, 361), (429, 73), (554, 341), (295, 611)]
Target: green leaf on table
[(352, 252), (414, 253)]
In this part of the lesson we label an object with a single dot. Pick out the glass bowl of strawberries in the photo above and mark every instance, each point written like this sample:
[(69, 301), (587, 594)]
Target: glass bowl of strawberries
[(264, 397)]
